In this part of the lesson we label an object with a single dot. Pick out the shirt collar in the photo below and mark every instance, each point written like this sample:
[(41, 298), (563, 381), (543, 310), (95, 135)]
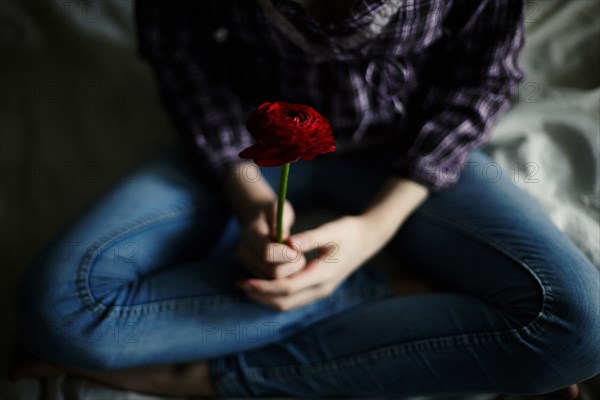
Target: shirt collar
[(366, 19)]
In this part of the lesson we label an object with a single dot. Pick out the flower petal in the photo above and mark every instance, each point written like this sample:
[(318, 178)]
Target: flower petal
[(286, 132)]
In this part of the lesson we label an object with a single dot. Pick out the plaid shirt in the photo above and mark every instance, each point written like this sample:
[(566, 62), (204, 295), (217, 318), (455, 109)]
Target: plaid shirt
[(425, 78)]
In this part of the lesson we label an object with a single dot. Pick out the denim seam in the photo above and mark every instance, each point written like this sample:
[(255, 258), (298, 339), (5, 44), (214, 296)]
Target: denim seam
[(84, 268), (89, 301), (535, 325), (230, 379), (228, 382)]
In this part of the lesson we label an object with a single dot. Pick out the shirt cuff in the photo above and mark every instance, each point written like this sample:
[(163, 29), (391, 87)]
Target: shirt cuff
[(433, 175)]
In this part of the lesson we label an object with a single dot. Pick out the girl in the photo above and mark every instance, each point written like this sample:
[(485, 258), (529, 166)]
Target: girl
[(176, 286)]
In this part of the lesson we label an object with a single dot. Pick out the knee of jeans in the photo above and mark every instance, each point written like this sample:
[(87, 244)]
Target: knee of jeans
[(520, 298), (577, 323), (567, 338), (52, 321), (64, 337)]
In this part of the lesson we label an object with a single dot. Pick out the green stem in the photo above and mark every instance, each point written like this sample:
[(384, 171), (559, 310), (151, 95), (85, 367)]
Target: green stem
[(283, 179)]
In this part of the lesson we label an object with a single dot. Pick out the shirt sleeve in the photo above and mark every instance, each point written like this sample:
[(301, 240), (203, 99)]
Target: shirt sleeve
[(468, 81), (180, 39)]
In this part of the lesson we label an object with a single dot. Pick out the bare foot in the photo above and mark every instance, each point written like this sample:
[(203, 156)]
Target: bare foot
[(568, 393), (189, 379), (32, 368)]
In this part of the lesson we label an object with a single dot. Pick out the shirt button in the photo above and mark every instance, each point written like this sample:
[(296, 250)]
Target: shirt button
[(220, 35)]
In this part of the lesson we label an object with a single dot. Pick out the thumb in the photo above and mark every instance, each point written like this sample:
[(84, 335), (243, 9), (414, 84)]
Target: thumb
[(317, 238)]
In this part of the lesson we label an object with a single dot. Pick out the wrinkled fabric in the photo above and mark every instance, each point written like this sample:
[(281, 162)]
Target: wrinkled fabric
[(429, 77)]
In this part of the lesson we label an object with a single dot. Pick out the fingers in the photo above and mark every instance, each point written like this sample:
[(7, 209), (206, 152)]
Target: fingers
[(311, 239), (295, 300), (311, 275), (264, 268), (314, 281), (339, 253), (264, 258), (317, 273), (317, 239), (253, 263), (282, 252), (274, 260)]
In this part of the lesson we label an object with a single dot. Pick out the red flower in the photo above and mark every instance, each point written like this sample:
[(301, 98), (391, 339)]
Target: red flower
[(287, 132)]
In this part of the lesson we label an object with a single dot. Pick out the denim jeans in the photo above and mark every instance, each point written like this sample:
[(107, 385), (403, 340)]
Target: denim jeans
[(146, 275)]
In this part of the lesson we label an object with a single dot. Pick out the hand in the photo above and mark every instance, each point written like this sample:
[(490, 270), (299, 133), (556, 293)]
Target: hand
[(258, 249), (342, 247)]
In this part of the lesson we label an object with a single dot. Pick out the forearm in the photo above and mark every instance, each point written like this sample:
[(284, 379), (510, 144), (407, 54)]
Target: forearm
[(246, 190), (394, 202)]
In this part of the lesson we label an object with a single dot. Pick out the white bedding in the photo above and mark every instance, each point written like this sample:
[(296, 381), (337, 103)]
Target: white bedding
[(554, 124), (78, 108)]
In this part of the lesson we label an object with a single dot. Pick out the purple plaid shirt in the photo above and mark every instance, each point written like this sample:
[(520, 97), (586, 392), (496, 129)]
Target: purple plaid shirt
[(426, 78)]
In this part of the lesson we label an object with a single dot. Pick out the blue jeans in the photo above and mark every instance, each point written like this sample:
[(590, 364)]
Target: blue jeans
[(146, 276)]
